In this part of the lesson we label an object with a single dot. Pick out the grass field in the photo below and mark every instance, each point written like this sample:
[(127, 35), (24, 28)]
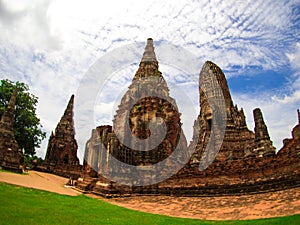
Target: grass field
[(8, 171), (20, 205)]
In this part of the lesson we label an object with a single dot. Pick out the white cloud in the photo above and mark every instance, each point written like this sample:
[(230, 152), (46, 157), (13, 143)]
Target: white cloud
[(51, 44), (25, 23), (288, 99), (294, 57)]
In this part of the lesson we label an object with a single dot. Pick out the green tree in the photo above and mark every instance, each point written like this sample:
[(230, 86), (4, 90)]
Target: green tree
[(27, 127)]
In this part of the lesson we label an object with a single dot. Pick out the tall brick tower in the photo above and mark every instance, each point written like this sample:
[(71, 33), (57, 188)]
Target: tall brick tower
[(147, 103), (263, 145), (62, 146), (11, 156), (237, 137)]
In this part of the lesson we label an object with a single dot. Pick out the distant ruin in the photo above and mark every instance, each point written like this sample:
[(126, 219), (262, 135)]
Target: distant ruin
[(61, 156), (247, 161), (11, 156)]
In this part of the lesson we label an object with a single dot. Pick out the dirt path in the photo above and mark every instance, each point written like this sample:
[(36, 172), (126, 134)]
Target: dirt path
[(280, 203), (39, 180)]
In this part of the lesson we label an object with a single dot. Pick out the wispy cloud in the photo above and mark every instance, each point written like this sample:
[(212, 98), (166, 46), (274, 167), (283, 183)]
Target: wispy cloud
[(52, 44)]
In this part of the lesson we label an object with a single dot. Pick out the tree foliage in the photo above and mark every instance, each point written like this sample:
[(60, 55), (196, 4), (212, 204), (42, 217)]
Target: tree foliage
[(27, 126)]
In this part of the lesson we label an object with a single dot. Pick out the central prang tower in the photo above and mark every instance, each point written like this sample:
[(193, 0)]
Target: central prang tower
[(147, 104), (146, 128)]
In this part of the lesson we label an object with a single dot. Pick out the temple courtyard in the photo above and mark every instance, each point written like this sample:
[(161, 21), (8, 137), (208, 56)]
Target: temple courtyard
[(265, 205)]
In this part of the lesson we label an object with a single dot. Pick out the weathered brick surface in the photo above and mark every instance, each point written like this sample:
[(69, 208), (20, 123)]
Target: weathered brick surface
[(11, 156), (61, 156), (262, 143), (237, 137)]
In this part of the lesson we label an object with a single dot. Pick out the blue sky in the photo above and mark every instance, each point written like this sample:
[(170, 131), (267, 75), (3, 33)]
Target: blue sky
[(51, 45)]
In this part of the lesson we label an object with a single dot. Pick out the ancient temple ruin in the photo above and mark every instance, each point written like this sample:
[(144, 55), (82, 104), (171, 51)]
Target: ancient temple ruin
[(61, 156), (11, 156), (237, 137), (246, 161), (291, 146), (143, 112), (263, 146), (149, 111)]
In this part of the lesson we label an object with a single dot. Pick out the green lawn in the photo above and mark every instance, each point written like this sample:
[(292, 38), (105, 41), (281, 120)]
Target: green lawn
[(20, 205), (8, 171)]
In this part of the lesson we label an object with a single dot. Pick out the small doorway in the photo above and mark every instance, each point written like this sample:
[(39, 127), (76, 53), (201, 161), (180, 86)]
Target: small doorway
[(209, 124), (66, 159)]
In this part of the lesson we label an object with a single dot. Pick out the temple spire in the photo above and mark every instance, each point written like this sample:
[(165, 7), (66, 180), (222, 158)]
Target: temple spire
[(148, 66), (149, 54), (69, 109), (262, 142), (298, 112), (11, 156), (62, 145), (66, 123), (8, 115)]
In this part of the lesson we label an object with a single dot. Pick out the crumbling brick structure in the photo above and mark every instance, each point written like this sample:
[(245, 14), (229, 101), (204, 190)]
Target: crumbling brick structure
[(146, 103), (61, 156), (11, 156), (245, 163)]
